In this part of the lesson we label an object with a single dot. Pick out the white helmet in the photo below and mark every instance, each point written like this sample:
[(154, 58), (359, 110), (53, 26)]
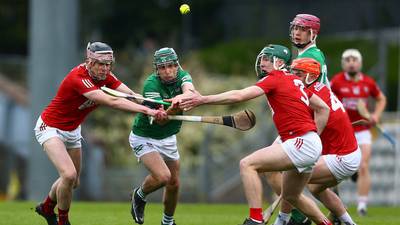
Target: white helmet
[(352, 52)]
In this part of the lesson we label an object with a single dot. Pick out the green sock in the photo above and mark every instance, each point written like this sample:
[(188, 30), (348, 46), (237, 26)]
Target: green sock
[(298, 216)]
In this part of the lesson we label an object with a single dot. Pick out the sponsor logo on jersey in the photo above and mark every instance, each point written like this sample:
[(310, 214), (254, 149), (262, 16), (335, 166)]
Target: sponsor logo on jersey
[(350, 103), (344, 90)]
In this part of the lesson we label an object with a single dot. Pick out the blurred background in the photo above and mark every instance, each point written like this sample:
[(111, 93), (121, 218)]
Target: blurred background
[(217, 42)]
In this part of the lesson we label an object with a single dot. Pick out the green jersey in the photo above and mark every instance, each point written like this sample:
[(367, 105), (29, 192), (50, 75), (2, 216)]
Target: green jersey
[(153, 88), (315, 53)]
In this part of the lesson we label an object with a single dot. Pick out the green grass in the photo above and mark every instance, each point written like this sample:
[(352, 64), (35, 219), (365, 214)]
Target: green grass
[(94, 213)]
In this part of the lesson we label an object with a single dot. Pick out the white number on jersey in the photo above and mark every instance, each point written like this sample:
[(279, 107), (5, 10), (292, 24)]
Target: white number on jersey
[(303, 98), (335, 103)]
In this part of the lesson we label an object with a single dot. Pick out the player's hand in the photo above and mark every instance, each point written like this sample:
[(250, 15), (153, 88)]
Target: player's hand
[(160, 114), (190, 101), (374, 119)]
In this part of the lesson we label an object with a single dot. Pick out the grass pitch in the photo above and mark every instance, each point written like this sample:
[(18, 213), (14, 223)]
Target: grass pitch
[(95, 213)]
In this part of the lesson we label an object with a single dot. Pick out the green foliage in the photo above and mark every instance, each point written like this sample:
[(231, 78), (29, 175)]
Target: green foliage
[(233, 58), (84, 213)]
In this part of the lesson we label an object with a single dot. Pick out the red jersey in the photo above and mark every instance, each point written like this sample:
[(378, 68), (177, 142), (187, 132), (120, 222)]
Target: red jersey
[(338, 136), (69, 107), (349, 92), (289, 103)]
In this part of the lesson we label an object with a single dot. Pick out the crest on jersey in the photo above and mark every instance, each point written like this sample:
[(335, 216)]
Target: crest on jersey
[(356, 90)]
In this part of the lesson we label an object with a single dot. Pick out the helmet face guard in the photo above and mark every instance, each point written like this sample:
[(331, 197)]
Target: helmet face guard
[(309, 66), (98, 52), (305, 21), (163, 58), (272, 53)]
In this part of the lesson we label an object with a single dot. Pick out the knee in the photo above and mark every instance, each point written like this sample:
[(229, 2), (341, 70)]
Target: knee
[(363, 168), (77, 183), (291, 198), (163, 178), (69, 177), (173, 184)]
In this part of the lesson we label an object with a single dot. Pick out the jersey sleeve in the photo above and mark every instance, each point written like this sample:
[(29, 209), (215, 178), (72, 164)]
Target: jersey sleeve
[(112, 81), (184, 76), (375, 90), (82, 85), (268, 83)]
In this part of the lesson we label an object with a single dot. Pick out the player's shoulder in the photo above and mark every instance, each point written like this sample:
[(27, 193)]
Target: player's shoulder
[(184, 75), (314, 53), (338, 76), (367, 78), (78, 72)]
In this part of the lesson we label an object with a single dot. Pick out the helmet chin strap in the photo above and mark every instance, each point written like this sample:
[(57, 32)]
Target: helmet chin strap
[(303, 45), (275, 60), (309, 82)]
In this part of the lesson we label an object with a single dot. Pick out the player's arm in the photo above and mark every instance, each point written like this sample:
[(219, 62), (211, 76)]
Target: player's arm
[(321, 112), (188, 90), (125, 89), (224, 98), (380, 105), (101, 98)]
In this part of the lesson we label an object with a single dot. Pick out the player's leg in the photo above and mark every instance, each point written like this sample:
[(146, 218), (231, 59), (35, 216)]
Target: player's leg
[(158, 177), (58, 155), (272, 158), (364, 180), (171, 192), (292, 186)]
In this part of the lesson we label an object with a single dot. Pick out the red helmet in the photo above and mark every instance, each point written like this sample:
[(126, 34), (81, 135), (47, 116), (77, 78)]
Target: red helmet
[(307, 20), (308, 65)]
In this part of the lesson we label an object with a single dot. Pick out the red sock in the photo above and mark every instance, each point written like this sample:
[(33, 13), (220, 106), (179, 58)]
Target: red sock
[(49, 205), (325, 222), (62, 216), (256, 214)]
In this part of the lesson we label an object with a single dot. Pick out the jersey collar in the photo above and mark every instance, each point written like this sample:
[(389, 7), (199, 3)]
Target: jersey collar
[(305, 49), (358, 78)]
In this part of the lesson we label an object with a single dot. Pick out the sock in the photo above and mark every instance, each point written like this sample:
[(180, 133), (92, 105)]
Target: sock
[(49, 205), (298, 216), (282, 218), (256, 215), (362, 202), (167, 220), (345, 218), (325, 222), (62, 216), (141, 193)]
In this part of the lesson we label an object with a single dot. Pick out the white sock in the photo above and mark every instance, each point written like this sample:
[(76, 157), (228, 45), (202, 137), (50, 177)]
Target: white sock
[(167, 220), (346, 218), (282, 218), (362, 202)]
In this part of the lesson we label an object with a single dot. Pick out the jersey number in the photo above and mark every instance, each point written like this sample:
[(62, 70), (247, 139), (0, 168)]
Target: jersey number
[(303, 98), (335, 103)]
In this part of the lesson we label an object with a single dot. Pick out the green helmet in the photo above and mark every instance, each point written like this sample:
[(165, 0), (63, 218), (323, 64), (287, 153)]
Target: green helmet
[(164, 56), (272, 52)]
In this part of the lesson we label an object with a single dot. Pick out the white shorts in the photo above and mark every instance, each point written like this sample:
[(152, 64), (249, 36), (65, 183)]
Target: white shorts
[(343, 166), (304, 151), (71, 139), (166, 147), (363, 137)]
